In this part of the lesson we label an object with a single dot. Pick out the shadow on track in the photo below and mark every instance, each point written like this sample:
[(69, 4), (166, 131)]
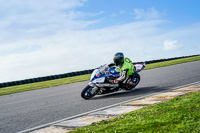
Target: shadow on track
[(132, 93)]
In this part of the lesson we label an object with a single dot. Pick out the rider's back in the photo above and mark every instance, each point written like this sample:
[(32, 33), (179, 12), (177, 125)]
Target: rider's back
[(128, 65)]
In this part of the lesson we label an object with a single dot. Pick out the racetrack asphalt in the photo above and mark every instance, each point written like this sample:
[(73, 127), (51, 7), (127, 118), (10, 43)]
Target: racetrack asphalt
[(29, 109)]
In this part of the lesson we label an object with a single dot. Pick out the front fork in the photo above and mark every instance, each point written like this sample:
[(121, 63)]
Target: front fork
[(94, 87)]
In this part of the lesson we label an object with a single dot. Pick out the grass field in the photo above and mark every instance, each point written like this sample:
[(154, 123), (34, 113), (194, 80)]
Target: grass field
[(172, 62), (56, 82), (178, 115)]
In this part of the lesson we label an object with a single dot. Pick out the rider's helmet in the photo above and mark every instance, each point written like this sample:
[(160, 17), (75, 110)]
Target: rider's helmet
[(118, 58)]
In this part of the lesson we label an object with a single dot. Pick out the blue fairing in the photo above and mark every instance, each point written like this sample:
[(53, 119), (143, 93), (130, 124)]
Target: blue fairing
[(100, 74)]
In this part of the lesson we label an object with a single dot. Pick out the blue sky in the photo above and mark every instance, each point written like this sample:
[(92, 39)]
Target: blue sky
[(180, 12), (40, 38)]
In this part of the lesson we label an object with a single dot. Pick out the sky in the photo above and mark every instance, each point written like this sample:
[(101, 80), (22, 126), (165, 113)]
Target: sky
[(47, 37)]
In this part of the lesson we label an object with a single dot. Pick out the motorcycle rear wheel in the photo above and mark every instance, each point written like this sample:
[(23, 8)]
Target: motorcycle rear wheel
[(87, 92), (136, 79)]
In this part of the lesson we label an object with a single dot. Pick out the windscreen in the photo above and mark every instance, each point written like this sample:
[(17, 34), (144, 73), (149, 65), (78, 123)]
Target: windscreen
[(103, 70)]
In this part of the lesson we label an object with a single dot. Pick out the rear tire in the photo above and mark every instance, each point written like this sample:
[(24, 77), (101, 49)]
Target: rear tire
[(86, 93), (136, 79), (133, 82)]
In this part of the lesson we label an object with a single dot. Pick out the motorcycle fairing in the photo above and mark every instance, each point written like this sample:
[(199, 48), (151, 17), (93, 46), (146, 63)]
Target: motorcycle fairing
[(99, 75), (139, 67)]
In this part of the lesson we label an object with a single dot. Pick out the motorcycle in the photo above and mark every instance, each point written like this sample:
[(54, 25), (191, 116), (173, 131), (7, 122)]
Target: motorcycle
[(100, 81)]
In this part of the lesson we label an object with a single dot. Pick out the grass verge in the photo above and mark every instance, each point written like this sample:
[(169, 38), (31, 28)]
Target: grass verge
[(44, 84), (172, 62), (51, 83), (178, 115)]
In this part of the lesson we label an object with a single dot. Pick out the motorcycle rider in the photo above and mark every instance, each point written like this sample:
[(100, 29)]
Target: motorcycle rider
[(126, 71)]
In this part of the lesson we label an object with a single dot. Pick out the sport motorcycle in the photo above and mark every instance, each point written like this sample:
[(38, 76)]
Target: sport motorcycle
[(101, 77)]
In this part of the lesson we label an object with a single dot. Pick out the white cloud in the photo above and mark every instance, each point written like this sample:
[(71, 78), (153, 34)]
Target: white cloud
[(171, 45), (70, 50), (51, 38), (79, 15), (41, 16), (150, 13), (122, 12)]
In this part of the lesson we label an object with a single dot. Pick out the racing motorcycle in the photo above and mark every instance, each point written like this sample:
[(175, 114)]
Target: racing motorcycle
[(100, 81)]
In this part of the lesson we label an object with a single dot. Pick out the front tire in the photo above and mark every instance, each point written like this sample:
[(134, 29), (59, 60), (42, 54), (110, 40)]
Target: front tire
[(87, 92)]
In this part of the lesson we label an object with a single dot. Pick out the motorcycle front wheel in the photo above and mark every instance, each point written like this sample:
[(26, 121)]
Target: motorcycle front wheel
[(88, 92)]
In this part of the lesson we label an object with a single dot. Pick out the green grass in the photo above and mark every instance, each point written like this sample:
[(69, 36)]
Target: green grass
[(51, 83), (172, 62), (44, 84), (179, 115)]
